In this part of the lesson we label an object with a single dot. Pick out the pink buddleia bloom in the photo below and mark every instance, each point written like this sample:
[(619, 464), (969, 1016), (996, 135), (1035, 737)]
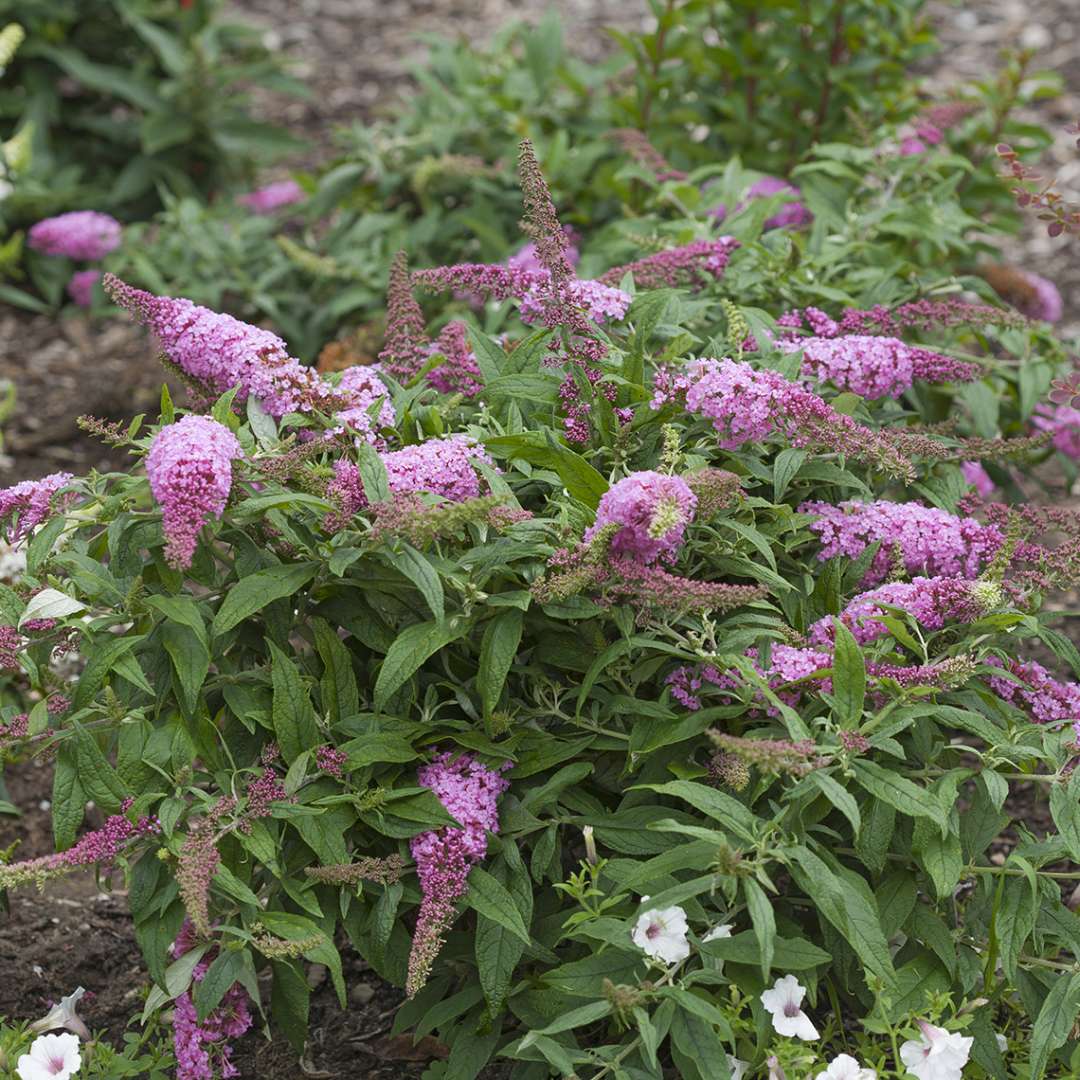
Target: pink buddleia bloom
[(526, 258), (875, 367), (81, 234), (361, 387), (266, 200), (791, 215), (653, 510), (601, 303), (202, 1048), (932, 602), (470, 792), (222, 352), (81, 286), (1047, 700), (912, 145), (1064, 422), (459, 373), (693, 265), (1046, 303), (974, 473), (25, 506), (190, 471), (930, 541)]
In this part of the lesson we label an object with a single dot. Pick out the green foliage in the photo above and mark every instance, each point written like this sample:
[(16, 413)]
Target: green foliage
[(119, 99)]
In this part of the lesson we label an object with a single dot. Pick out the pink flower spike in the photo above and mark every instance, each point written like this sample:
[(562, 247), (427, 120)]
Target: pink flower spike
[(81, 234)]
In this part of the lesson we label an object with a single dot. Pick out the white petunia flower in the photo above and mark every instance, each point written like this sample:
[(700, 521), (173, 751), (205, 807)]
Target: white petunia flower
[(784, 1001), (721, 931), (661, 934), (51, 1057), (64, 1016), (939, 1055), (737, 1067), (845, 1067), (1002, 1042)]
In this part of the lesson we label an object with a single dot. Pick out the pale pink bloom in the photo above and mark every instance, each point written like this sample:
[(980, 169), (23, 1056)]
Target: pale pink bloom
[(661, 934), (784, 1001), (938, 1055), (51, 1057)]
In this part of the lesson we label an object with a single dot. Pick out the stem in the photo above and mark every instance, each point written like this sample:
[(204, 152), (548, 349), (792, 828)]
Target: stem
[(836, 51), (654, 68)]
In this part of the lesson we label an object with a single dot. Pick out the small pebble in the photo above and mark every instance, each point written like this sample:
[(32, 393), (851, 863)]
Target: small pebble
[(361, 993)]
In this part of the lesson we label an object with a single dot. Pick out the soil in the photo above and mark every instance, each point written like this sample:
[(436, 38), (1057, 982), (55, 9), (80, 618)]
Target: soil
[(356, 56)]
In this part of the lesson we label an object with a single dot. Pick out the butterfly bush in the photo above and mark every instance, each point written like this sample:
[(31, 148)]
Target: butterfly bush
[(81, 234), (522, 689), (266, 200), (81, 286), (190, 471)]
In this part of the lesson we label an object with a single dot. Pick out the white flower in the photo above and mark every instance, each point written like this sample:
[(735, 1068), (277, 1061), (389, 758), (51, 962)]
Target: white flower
[(51, 1057), (1003, 1043), (784, 1001), (661, 934), (939, 1055), (736, 1067), (721, 931), (64, 1016), (845, 1067)]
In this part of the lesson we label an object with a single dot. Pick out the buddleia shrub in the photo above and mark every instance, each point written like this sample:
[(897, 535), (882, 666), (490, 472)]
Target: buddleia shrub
[(641, 686)]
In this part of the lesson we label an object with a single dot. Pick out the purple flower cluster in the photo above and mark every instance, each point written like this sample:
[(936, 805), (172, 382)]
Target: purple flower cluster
[(875, 366), (266, 200), (787, 664), (221, 352), (361, 388), (470, 792), (81, 234), (190, 471), (601, 303), (932, 602), (1064, 423), (459, 373), (974, 474), (1047, 700), (441, 467), (746, 405), (1045, 302), (916, 314), (693, 265), (792, 215), (652, 510), (526, 258), (931, 542), (81, 286), (202, 1049), (26, 505)]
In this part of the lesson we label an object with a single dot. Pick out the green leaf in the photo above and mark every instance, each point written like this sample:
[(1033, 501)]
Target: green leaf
[(292, 714), (1054, 1022), (1065, 810), (226, 969), (96, 775), (190, 660), (849, 677), (290, 999), (254, 592), (416, 567), (502, 636), (579, 1017), (491, 899), (340, 694), (410, 649), (103, 658), (68, 799), (899, 792), (763, 921)]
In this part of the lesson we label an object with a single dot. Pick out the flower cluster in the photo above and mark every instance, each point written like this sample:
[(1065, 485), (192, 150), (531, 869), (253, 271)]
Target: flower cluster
[(792, 215), (459, 372), (927, 540), (916, 314), (25, 506), (271, 197), (1063, 424), (932, 602), (198, 862), (82, 234), (81, 286), (692, 265), (1035, 296), (746, 405), (361, 390), (444, 857), (597, 301), (652, 511), (1034, 689), (190, 471), (651, 590), (202, 1047), (875, 366), (421, 523), (101, 847), (220, 352)]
